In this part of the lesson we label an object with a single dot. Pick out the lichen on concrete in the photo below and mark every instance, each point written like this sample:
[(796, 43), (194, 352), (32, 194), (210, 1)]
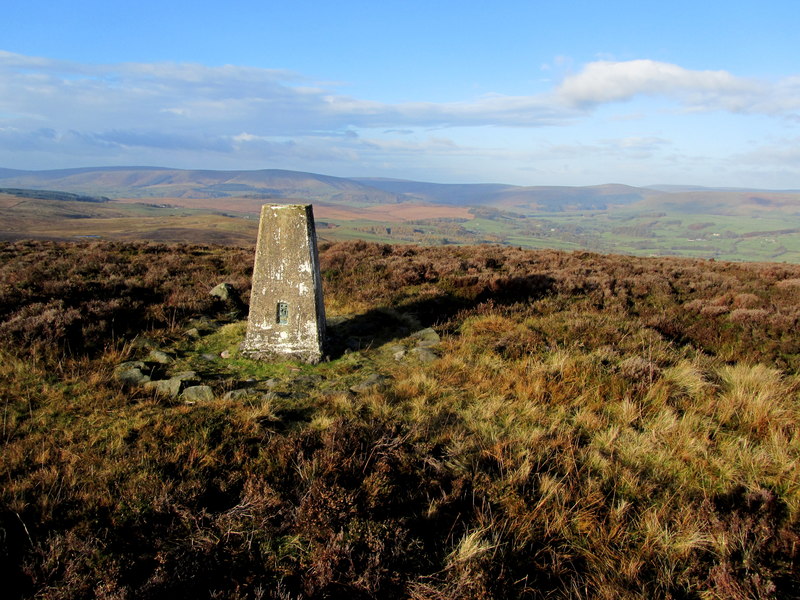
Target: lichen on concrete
[(287, 311)]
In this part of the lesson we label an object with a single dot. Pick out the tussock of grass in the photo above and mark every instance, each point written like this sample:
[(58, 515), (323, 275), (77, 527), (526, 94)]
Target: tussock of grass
[(589, 430)]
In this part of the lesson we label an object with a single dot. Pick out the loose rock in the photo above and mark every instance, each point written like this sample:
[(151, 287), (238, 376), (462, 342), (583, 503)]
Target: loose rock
[(160, 357), (165, 387), (225, 292), (141, 341), (131, 364), (398, 351), (204, 325), (131, 373), (371, 383), (198, 393), (424, 355), (244, 394), (186, 377), (228, 296), (427, 337)]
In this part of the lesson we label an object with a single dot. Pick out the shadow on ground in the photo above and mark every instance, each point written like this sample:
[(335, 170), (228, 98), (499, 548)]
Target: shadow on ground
[(382, 325)]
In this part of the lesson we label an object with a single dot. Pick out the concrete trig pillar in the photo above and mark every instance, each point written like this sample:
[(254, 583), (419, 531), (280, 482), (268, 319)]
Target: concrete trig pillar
[(287, 311)]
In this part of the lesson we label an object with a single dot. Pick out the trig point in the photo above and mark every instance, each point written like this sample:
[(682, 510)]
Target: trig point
[(287, 312)]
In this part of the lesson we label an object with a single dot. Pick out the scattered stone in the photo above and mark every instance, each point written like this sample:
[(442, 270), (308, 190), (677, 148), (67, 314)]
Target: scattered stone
[(424, 354), (398, 351), (193, 333), (160, 357), (141, 341), (226, 292), (307, 380), (209, 357), (244, 394), (238, 394), (185, 376), (198, 393), (131, 364), (204, 324), (131, 373), (225, 354), (427, 337), (374, 382), (165, 387)]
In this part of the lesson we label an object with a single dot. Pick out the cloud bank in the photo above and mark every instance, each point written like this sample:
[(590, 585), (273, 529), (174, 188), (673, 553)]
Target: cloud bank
[(58, 110)]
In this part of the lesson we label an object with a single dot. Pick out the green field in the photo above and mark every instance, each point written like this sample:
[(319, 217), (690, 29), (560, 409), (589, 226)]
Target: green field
[(720, 237), (635, 230)]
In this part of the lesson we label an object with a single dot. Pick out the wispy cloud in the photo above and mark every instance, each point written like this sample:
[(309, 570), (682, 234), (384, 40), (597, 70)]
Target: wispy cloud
[(277, 102), (120, 112)]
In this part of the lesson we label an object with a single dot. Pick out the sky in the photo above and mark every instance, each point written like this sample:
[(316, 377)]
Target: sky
[(534, 92)]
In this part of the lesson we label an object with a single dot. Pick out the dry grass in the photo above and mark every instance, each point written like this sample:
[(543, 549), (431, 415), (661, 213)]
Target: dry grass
[(583, 434)]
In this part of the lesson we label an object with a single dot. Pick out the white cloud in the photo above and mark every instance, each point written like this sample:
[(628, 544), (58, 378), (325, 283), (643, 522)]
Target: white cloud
[(36, 92), (147, 113), (604, 82)]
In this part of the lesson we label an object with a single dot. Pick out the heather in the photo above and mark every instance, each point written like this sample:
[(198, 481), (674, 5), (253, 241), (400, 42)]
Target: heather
[(589, 426)]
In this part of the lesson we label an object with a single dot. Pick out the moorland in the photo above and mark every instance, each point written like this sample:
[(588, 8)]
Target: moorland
[(579, 425), (134, 203)]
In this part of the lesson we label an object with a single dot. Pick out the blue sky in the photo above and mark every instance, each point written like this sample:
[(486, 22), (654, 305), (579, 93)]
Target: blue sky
[(530, 93)]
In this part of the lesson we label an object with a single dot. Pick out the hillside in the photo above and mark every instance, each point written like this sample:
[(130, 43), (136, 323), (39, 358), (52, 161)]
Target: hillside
[(196, 206), (156, 182), (491, 423)]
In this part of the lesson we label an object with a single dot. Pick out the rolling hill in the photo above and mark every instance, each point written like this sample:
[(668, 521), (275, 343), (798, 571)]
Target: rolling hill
[(156, 182), (183, 205)]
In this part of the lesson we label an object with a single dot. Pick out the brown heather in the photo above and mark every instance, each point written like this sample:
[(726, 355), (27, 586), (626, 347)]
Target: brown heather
[(594, 427)]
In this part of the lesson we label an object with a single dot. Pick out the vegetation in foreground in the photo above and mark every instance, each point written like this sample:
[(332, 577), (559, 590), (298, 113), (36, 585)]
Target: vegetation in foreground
[(593, 427)]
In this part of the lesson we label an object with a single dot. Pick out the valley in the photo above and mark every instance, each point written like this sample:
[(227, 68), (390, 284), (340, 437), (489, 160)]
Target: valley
[(223, 206)]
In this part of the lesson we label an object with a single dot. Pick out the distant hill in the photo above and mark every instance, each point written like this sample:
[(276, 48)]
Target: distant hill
[(725, 202), (551, 198), (10, 172), (154, 203), (440, 193), (278, 184), (155, 182), (52, 195), (673, 188)]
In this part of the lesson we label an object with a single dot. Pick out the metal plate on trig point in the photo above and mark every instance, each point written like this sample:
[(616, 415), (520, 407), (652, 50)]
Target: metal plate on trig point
[(283, 313)]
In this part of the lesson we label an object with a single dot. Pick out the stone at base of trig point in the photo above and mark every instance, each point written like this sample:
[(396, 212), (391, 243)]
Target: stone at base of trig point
[(287, 312)]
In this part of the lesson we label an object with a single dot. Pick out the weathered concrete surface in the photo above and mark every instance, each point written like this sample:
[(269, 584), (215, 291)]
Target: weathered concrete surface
[(287, 312)]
